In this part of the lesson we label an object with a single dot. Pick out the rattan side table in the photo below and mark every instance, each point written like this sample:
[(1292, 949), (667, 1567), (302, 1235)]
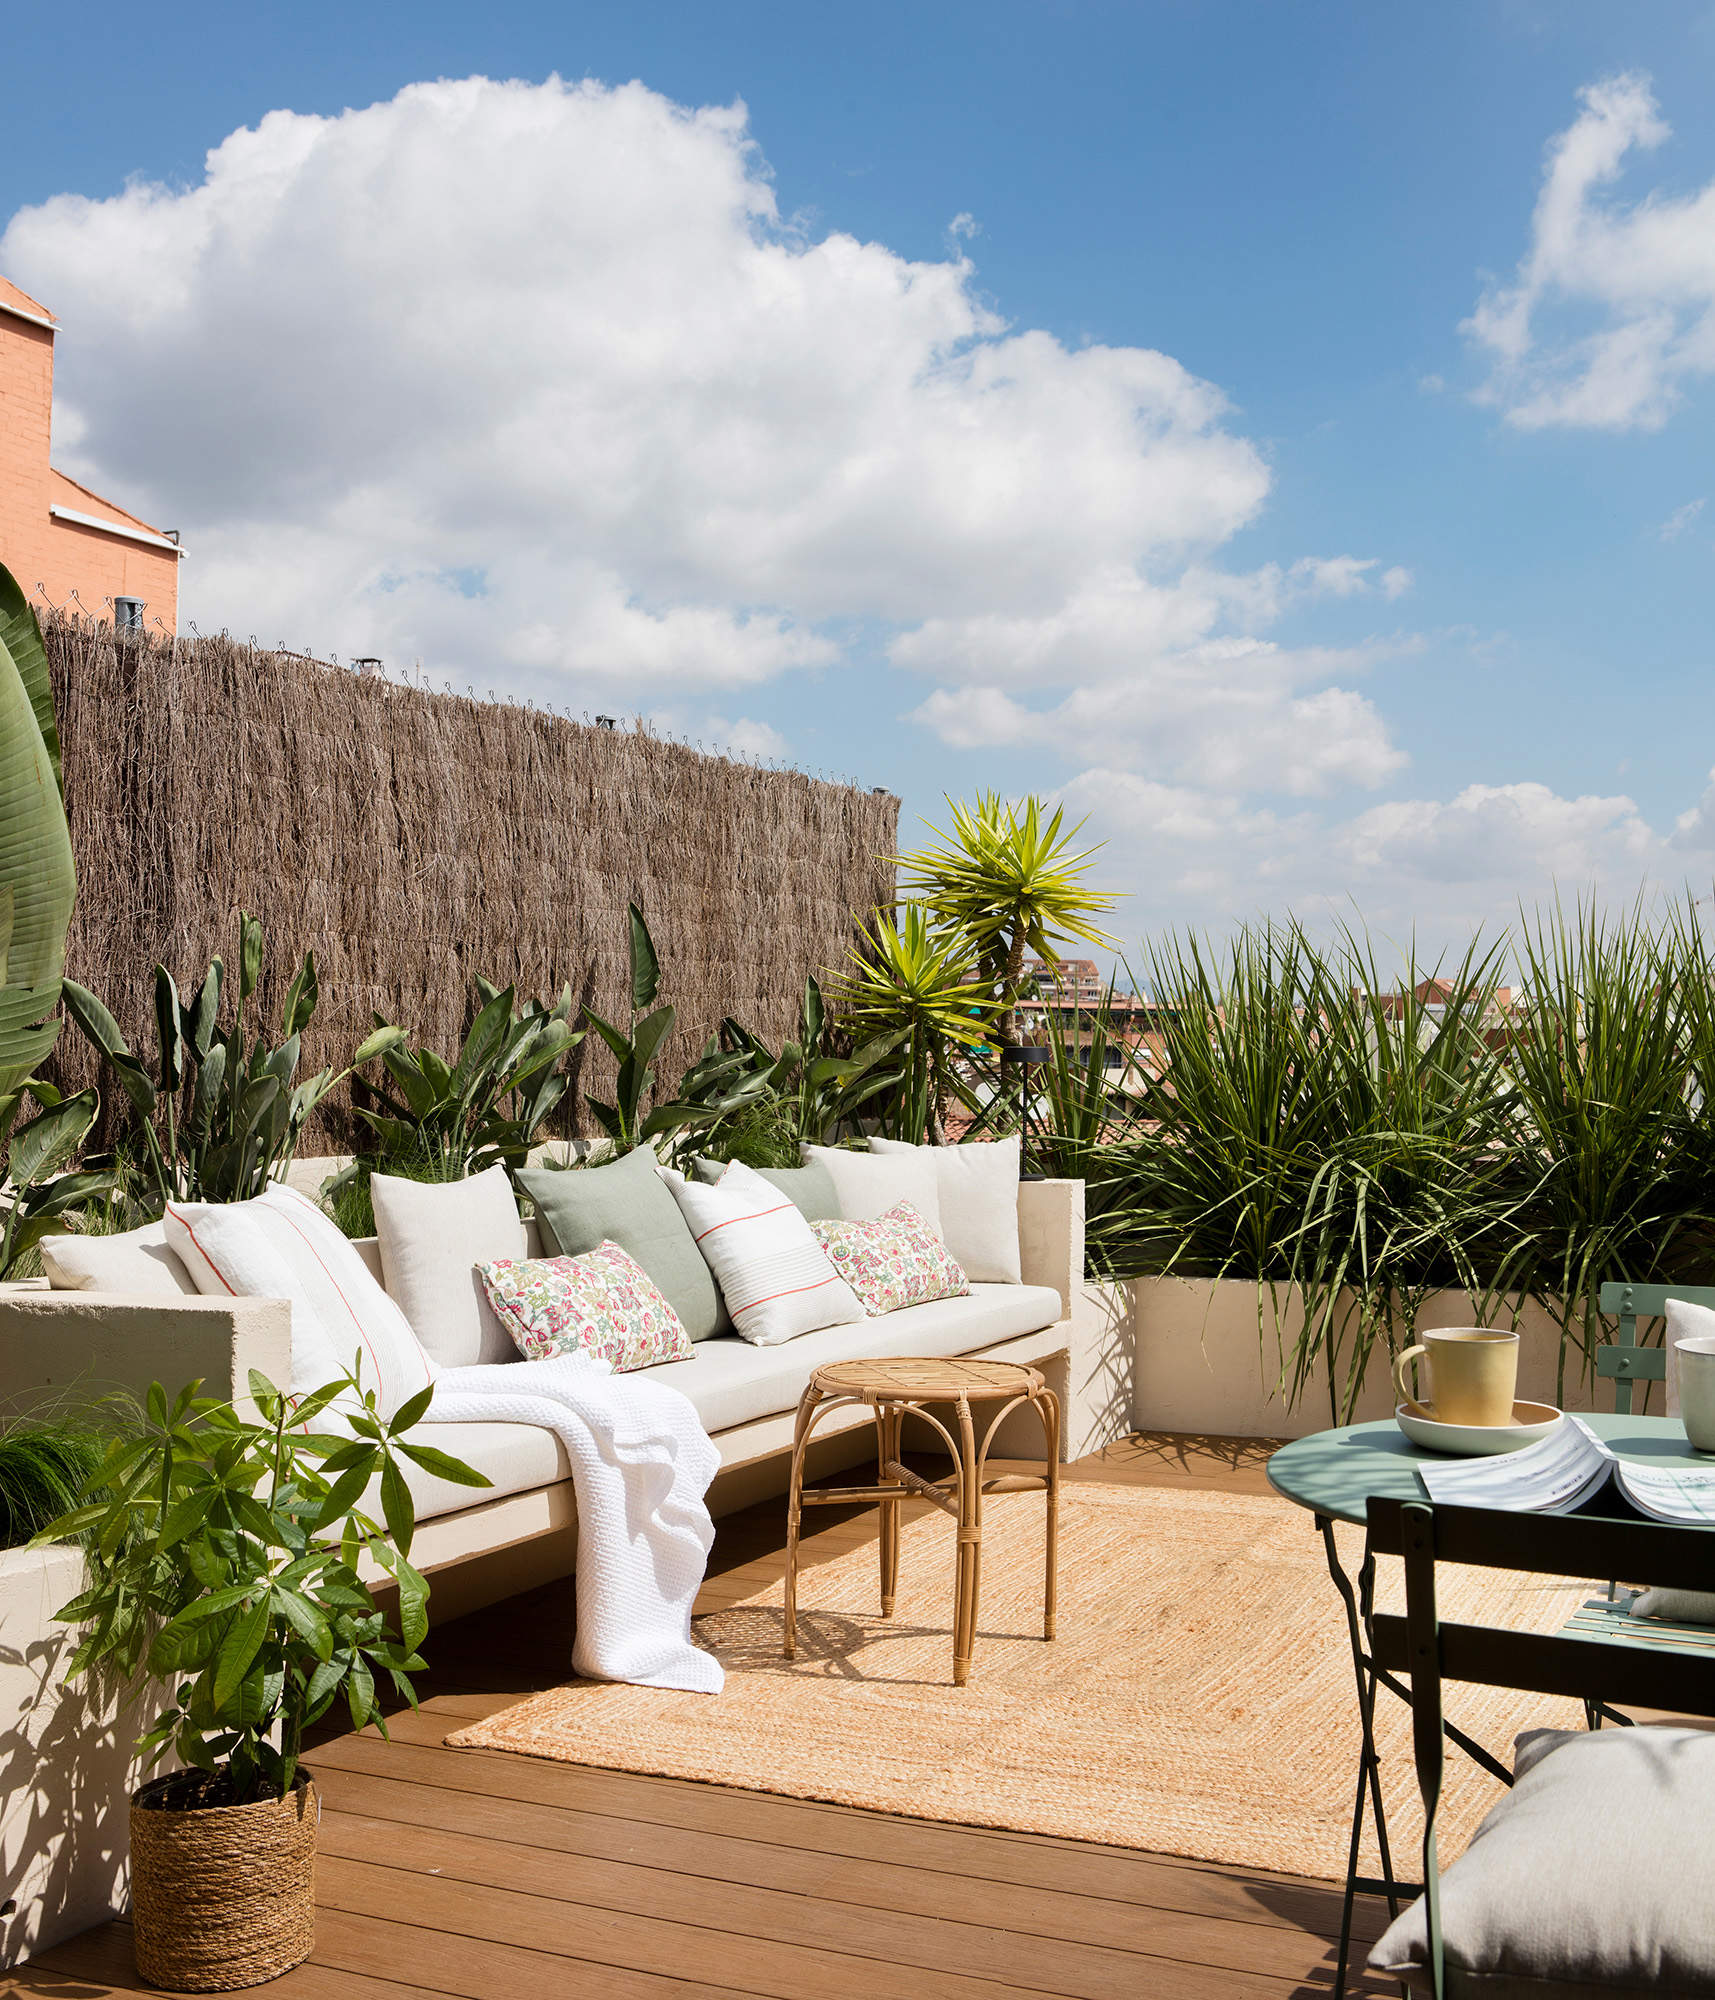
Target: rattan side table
[(893, 1388)]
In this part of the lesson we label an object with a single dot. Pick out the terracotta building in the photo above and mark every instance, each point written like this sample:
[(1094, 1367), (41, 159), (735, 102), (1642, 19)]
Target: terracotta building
[(66, 545)]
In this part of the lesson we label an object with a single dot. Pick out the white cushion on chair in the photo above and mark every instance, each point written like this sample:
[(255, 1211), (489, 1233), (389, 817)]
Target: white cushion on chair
[(1591, 1877), (134, 1261), (774, 1275), (433, 1234), (977, 1187)]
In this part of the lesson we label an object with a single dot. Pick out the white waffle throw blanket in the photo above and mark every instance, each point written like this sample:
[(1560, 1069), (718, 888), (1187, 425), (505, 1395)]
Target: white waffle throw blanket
[(641, 1463)]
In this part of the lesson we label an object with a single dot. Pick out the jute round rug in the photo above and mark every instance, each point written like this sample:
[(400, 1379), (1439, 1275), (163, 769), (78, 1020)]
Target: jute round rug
[(1199, 1699)]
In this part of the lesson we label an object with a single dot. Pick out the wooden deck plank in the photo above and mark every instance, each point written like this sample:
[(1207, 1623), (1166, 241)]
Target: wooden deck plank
[(486, 1876), (900, 1882), (839, 1833), (947, 1934), (770, 1968)]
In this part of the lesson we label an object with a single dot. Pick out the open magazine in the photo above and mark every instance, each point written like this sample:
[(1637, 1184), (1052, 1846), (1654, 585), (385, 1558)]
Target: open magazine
[(1569, 1466)]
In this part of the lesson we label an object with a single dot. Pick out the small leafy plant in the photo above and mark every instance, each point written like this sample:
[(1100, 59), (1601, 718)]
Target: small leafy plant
[(219, 1116), (224, 1560), (45, 1464), (40, 1195), (443, 1120), (741, 1101)]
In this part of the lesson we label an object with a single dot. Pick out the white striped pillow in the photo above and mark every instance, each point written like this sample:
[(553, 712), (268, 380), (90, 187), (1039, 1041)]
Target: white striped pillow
[(282, 1246), (774, 1275)]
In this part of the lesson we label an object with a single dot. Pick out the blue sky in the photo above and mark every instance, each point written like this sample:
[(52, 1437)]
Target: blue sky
[(1300, 205)]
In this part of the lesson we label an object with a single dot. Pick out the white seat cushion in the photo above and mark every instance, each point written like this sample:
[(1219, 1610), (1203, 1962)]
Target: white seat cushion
[(732, 1382), (1590, 1877)]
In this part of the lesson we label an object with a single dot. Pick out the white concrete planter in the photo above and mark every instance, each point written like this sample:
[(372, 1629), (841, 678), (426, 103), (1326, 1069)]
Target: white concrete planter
[(1202, 1367), (67, 1769)]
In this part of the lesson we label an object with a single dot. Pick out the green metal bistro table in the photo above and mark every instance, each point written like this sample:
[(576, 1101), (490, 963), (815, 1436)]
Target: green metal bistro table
[(1333, 1473)]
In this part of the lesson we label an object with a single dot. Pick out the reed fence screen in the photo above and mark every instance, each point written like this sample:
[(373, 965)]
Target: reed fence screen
[(414, 839)]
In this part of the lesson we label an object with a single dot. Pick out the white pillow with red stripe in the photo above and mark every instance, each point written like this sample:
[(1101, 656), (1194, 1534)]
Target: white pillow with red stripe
[(774, 1275), (281, 1246)]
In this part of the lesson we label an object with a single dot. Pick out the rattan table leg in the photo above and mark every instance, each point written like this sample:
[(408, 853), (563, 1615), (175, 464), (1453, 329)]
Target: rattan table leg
[(970, 1549), (1049, 1406), (794, 1516), (888, 1423)]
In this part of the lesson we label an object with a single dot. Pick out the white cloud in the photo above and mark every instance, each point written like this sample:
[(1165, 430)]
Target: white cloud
[(536, 383), (1441, 869), (1680, 520), (1223, 715), (1612, 309), (744, 736)]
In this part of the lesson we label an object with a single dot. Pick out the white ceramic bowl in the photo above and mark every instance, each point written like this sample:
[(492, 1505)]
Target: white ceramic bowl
[(1530, 1422)]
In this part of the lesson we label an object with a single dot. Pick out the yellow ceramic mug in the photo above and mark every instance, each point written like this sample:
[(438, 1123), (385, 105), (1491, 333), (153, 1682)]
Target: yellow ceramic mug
[(1473, 1374)]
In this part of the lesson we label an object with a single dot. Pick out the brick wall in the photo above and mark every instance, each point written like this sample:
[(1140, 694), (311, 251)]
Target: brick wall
[(63, 556)]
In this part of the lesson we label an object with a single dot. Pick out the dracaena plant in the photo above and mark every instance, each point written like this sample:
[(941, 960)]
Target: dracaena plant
[(219, 1115), (224, 1557), (444, 1120)]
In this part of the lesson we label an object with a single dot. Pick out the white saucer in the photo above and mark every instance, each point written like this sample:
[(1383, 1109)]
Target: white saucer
[(1530, 1422)]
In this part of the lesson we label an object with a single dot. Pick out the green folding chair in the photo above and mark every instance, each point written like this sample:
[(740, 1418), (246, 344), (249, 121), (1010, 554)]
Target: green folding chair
[(1623, 1360), (1610, 1659)]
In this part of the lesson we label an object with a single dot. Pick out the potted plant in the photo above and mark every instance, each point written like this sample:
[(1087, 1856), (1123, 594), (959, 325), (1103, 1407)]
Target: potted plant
[(223, 1558)]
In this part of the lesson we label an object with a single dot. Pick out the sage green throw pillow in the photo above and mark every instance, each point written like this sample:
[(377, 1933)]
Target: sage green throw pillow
[(629, 1204), (809, 1189)]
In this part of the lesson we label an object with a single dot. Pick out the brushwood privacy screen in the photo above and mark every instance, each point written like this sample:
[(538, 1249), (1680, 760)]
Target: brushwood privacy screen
[(413, 840)]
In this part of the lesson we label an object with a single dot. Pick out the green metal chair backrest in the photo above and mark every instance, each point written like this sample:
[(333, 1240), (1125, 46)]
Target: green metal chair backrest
[(1622, 1360), (1647, 1675)]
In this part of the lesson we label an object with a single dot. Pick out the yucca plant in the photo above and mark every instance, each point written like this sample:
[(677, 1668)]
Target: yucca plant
[(1008, 879), (920, 984)]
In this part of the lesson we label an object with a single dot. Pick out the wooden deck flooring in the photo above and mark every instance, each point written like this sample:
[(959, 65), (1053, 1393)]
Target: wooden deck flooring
[(496, 1877)]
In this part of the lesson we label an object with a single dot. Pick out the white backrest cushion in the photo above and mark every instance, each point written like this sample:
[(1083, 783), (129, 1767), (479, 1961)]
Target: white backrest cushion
[(774, 1275), (136, 1262), (433, 1234), (869, 1184), (281, 1246), (978, 1190)]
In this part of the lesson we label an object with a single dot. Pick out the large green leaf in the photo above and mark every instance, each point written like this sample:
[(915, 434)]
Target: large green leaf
[(45, 1144), (21, 637), (645, 966), (38, 881)]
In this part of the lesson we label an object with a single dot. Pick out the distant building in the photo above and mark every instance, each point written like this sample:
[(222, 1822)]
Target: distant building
[(67, 546), (1432, 995), (1070, 992)]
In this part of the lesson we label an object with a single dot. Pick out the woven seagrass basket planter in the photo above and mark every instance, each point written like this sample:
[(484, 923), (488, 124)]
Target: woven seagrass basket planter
[(222, 1896)]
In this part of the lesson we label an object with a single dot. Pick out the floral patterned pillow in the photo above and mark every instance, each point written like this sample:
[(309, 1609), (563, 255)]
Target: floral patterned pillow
[(603, 1304), (896, 1260)]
